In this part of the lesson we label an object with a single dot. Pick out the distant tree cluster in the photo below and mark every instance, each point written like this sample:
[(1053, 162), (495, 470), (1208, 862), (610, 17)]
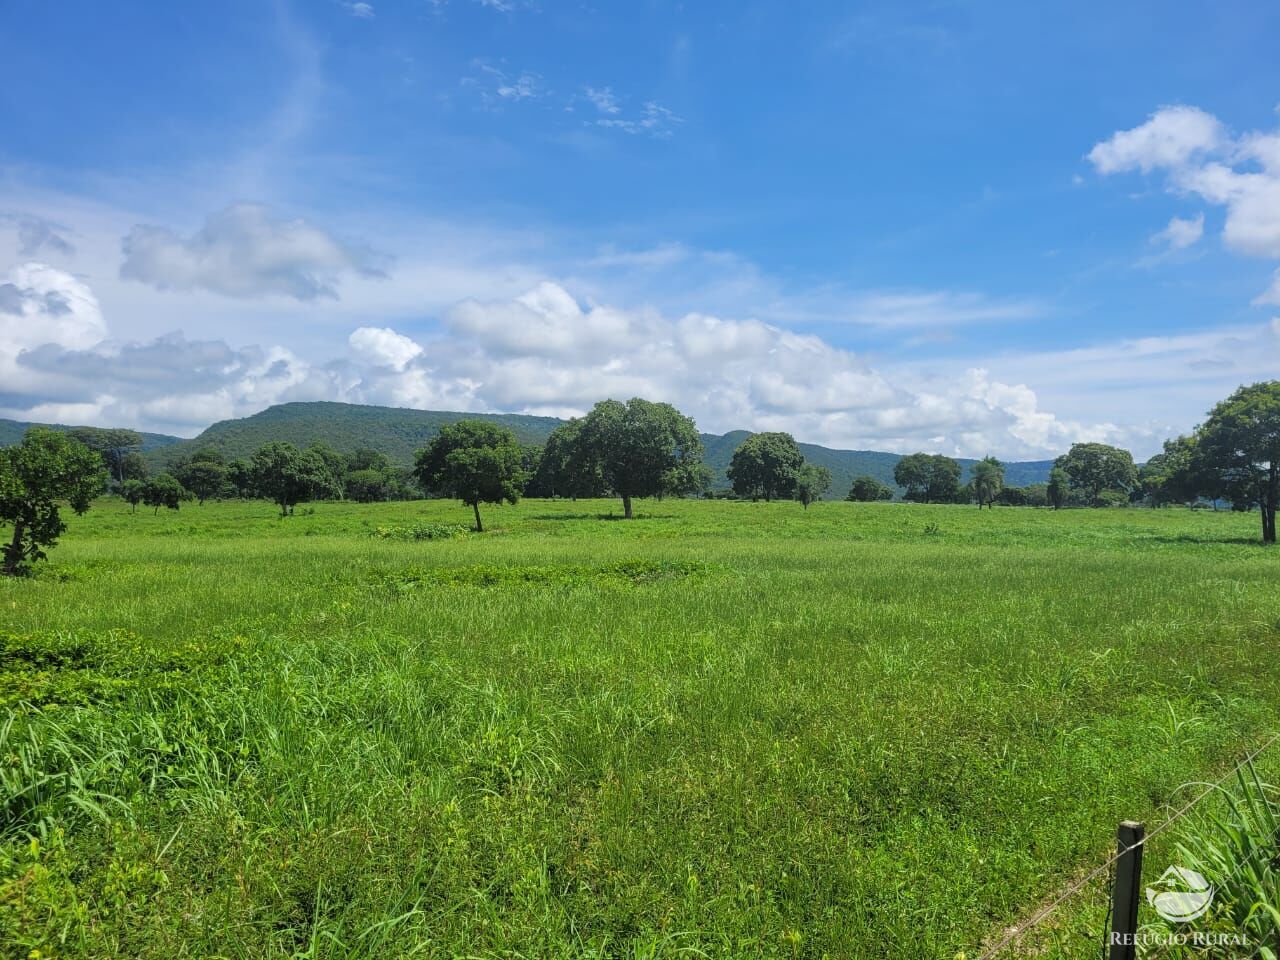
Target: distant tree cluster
[(630, 450)]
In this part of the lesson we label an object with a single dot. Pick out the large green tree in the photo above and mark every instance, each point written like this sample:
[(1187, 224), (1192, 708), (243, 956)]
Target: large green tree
[(765, 465), (1092, 468), (473, 461), (812, 483), (641, 449), (288, 476), (988, 481), (112, 444), (866, 489), (929, 478), (1238, 447), (46, 469), (567, 467)]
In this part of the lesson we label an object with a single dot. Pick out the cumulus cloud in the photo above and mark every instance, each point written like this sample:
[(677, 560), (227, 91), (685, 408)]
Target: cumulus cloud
[(41, 304), (545, 352), (363, 11), (383, 347), (1170, 138), (244, 252), (1198, 156)]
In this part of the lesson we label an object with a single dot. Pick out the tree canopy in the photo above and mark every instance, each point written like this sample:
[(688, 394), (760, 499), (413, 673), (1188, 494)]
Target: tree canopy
[(163, 490), (812, 482), (929, 478), (640, 449), (473, 461), (48, 467), (866, 489), (1092, 468), (287, 476), (766, 465), (1238, 450), (113, 444), (988, 481)]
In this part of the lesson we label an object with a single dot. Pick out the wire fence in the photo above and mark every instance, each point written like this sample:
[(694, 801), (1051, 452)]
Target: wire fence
[(1014, 935)]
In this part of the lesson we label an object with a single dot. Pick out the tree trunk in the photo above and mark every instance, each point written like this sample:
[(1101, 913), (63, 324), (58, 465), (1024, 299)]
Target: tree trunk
[(626, 506), (13, 553), (1268, 504), (479, 526)]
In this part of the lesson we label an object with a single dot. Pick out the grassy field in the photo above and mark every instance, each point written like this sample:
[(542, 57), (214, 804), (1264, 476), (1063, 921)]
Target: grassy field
[(722, 729)]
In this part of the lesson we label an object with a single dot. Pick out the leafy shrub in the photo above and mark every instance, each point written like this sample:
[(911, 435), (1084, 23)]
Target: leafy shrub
[(421, 531)]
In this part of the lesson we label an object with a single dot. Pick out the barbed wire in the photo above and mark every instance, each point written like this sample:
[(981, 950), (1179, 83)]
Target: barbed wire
[(1016, 932)]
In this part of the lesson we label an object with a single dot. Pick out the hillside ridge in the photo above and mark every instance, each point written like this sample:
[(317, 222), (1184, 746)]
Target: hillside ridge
[(398, 432)]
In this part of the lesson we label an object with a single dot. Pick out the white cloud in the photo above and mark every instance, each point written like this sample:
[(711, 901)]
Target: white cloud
[(1170, 137), (1241, 174), (383, 347), (544, 352), (496, 86), (244, 252), (40, 304), (654, 120), (363, 11), (603, 98), (1180, 233)]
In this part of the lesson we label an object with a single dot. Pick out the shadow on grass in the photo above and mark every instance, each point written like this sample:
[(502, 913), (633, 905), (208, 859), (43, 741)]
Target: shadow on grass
[(1189, 538), (601, 516)]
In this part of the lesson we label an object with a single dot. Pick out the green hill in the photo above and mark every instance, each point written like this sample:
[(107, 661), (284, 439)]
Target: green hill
[(11, 432), (399, 433), (396, 432)]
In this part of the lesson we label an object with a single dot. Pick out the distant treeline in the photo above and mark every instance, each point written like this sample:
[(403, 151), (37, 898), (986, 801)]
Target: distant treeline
[(627, 450)]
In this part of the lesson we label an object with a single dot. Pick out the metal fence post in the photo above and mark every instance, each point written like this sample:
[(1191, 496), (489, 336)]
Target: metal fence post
[(1124, 900)]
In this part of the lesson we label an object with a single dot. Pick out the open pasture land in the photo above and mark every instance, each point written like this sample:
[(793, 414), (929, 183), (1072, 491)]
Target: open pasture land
[(736, 728)]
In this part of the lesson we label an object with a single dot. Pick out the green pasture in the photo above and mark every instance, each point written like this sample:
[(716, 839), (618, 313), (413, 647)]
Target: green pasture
[(723, 729)]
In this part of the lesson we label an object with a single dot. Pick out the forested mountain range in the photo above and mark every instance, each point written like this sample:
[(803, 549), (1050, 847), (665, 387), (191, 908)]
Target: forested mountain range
[(399, 432)]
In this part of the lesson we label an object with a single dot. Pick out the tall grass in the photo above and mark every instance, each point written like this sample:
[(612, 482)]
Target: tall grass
[(722, 729)]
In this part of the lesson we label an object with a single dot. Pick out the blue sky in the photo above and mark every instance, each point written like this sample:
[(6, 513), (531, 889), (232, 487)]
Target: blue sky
[(967, 227)]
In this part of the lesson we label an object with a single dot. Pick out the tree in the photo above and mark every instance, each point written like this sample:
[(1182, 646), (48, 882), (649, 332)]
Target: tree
[(812, 482), (1036, 494), (287, 476), (240, 476), (1238, 448), (205, 474), (931, 478), (335, 465), (131, 491), (567, 467), (473, 461), (47, 467), (1173, 475), (640, 449), (163, 490), (1094, 467), (867, 489), (369, 486), (765, 465), (988, 480), (113, 445), (1059, 489), (133, 467)]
